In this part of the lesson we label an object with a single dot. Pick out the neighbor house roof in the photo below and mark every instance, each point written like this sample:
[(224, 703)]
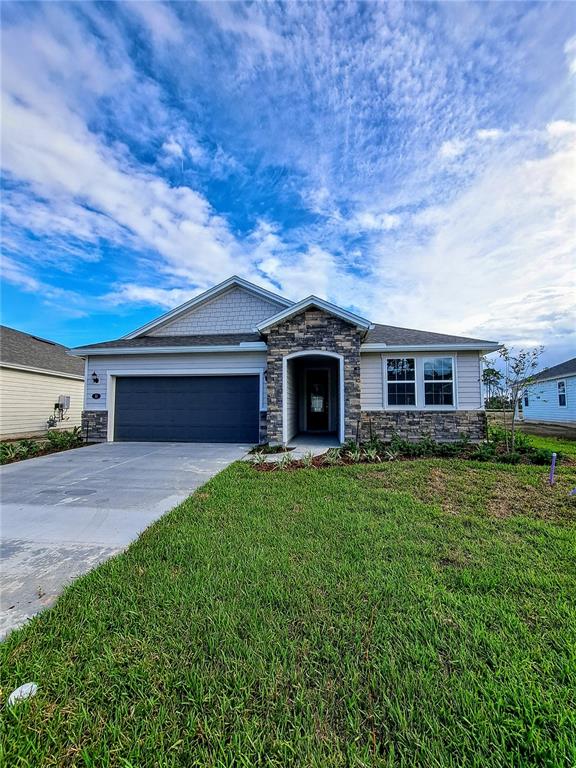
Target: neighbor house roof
[(391, 335), (567, 368), (22, 350), (224, 341)]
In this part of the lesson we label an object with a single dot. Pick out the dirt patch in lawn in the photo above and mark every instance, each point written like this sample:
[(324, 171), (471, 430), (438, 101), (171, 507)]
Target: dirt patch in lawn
[(500, 493)]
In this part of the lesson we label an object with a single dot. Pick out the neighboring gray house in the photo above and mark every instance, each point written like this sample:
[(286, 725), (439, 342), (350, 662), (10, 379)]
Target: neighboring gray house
[(551, 398), (241, 364), (35, 375)]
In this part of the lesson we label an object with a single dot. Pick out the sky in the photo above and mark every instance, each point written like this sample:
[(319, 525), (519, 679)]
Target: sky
[(415, 163)]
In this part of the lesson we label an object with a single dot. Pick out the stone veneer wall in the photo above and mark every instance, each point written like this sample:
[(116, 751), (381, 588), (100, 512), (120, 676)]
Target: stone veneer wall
[(312, 330), (442, 426), (96, 422)]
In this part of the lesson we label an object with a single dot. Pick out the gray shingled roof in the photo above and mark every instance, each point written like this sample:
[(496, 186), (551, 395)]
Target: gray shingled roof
[(380, 334), (18, 348), (391, 334), (149, 342), (568, 368)]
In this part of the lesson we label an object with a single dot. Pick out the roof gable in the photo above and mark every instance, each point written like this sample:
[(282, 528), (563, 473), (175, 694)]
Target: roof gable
[(313, 301), (233, 306)]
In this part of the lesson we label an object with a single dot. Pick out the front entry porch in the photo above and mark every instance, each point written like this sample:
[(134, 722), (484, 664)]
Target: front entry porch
[(313, 399)]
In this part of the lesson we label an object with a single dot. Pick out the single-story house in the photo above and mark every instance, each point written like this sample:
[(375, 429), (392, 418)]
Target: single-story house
[(39, 380), (551, 397), (241, 364)]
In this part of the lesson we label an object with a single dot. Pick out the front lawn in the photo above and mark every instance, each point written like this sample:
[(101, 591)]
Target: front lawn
[(416, 613)]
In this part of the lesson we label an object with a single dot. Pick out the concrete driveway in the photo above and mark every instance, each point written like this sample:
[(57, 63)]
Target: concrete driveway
[(63, 514)]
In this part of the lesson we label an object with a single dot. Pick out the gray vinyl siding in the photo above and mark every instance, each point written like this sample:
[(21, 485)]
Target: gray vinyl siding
[(236, 311), (27, 400), (466, 370), (469, 381), (227, 362)]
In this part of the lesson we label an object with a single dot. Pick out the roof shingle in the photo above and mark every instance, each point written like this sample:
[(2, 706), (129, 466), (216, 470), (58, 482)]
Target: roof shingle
[(393, 335), (567, 368), (150, 342), (22, 349)]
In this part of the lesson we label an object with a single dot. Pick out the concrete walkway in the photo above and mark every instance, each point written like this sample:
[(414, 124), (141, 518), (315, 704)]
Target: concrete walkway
[(63, 514)]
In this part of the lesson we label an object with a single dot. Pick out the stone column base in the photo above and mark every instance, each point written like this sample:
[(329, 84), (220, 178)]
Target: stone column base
[(95, 426)]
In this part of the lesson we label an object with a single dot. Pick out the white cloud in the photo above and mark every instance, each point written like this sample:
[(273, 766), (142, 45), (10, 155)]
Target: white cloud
[(489, 134), (452, 149), (366, 221)]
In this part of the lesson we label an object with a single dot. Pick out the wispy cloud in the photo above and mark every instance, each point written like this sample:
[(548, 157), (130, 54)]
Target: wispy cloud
[(412, 161)]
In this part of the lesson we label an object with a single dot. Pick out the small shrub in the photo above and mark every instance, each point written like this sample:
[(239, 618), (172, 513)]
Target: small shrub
[(332, 457), (354, 454), (257, 457), (484, 452), (9, 452), (371, 454), (509, 458), (284, 462), (307, 459), (541, 456), (63, 439)]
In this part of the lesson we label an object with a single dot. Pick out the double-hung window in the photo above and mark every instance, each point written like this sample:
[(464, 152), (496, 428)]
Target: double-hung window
[(438, 381), (401, 380), (562, 394)]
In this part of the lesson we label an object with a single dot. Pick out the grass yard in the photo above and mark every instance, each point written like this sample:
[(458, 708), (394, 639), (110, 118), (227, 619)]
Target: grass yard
[(566, 447), (418, 613)]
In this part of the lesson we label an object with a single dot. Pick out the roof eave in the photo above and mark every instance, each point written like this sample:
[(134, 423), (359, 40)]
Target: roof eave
[(482, 347), (247, 346)]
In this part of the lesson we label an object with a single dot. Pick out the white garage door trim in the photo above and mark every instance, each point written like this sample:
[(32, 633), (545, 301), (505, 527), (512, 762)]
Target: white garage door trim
[(111, 384)]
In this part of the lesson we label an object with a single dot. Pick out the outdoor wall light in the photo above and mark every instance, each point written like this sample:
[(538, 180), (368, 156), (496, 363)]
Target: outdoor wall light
[(95, 378)]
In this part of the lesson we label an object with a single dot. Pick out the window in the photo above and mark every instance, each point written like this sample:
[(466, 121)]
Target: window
[(401, 380), (562, 394), (526, 401), (438, 381)]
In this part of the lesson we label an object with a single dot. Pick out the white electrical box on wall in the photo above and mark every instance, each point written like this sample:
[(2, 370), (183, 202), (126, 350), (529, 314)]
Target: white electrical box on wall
[(64, 402)]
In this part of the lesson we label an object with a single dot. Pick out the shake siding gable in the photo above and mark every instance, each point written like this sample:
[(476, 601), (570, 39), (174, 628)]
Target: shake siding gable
[(236, 311)]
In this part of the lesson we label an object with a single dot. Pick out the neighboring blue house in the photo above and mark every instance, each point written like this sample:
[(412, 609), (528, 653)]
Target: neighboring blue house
[(551, 398)]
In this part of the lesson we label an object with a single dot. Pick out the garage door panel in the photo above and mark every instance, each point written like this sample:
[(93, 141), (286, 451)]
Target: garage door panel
[(187, 408)]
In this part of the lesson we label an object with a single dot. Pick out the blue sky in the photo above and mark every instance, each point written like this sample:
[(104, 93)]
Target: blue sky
[(413, 162)]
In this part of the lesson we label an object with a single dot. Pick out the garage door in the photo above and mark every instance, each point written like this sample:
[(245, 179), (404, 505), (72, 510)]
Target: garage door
[(191, 409)]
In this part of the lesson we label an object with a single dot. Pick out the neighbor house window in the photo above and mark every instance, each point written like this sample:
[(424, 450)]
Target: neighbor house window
[(526, 401), (562, 394), (401, 380), (438, 381)]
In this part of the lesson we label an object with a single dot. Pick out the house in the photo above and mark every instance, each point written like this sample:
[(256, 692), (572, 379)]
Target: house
[(241, 364), (38, 381), (551, 397)]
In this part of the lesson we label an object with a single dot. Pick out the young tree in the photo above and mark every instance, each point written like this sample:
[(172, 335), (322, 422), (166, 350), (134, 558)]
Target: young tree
[(519, 371)]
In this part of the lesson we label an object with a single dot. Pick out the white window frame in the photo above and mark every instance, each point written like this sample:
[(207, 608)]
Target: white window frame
[(434, 407), (558, 393), (387, 406)]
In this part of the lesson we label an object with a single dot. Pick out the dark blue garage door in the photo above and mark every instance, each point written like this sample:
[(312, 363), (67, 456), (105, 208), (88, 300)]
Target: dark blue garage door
[(190, 409)]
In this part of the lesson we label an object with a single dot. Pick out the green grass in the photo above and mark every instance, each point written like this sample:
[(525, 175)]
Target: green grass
[(410, 614), (566, 447)]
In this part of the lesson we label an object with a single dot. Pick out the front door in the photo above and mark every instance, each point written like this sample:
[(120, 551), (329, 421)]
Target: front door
[(317, 393)]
